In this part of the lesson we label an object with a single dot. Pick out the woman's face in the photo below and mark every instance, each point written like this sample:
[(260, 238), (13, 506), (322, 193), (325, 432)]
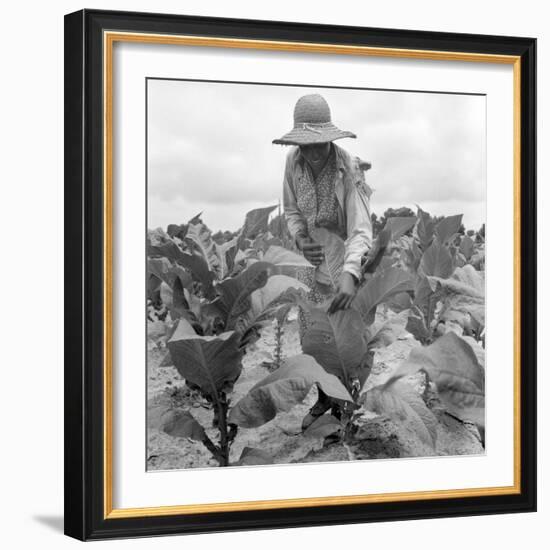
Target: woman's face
[(315, 154)]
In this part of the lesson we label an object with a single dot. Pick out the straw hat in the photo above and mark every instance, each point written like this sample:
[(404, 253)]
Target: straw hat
[(312, 123)]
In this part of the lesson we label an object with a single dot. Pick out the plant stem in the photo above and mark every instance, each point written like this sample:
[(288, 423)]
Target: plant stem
[(280, 221), (214, 451), (222, 405), (278, 345)]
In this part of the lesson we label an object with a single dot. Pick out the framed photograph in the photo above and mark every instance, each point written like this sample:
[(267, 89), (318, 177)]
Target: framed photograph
[(300, 274)]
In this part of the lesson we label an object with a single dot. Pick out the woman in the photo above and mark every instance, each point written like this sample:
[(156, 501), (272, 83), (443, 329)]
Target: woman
[(324, 186)]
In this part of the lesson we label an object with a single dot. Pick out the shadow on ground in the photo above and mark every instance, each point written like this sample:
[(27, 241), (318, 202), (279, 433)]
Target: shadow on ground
[(55, 523)]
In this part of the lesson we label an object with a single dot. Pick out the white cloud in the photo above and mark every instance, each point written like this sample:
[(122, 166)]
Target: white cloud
[(210, 148)]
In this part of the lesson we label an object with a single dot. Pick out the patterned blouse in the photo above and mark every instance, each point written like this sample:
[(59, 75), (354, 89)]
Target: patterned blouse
[(338, 199), (316, 197)]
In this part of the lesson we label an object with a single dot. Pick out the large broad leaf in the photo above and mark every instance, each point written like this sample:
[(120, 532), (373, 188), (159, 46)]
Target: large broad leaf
[(226, 253), (380, 288), (399, 225), (423, 291), (452, 365), (384, 334), (177, 230), (175, 281), (200, 272), (448, 228), (466, 247), (394, 229), (254, 457), (195, 219), (279, 228), (233, 303), (200, 239), (471, 278), (180, 423), (211, 362), (399, 302), (417, 324), (464, 292), (283, 389), (436, 261), (400, 402), (264, 241), (285, 262), (411, 256), (328, 273), (274, 292), (153, 286), (255, 223), (168, 272), (324, 426), (159, 267), (160, 244), (424, 228), (272, 301), (174, 299), (454, 286), (338, 343)]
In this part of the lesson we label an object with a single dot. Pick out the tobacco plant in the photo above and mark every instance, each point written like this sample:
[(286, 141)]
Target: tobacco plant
[(217, 302), (343, 343), (448, 291), (219, 295)]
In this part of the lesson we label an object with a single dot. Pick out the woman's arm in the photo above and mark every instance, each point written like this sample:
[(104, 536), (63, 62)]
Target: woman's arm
[(295, 221), (359, 227), (359, 241)]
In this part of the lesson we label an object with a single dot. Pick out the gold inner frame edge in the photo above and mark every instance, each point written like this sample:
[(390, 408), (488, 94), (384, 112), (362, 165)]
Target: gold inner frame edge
[(109, 39)]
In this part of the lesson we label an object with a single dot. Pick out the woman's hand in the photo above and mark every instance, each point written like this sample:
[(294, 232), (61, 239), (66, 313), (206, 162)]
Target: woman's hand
[(312, 251), (345, 293)]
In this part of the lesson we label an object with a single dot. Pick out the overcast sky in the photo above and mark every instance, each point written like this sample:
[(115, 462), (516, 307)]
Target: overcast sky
[(210, 150)]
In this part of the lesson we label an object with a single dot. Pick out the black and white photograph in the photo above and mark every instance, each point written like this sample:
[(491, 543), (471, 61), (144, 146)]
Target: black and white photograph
[(272, 275), (315, 283)]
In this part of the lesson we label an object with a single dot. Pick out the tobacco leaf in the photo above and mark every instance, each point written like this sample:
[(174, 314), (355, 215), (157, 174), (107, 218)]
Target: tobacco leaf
[(323, 426), (399, 225), (453, 366), (328, 273), (179, 423), (199, 238), (211, 362), (424, 228), (380, 288), (436, 261), (337, 342), (466, 247), (226, 253), (284, 261), (283, 389), (160, 244), (233, 303), (254, 457), (464, 294), (255, 223), (400, 402), (448, 228)]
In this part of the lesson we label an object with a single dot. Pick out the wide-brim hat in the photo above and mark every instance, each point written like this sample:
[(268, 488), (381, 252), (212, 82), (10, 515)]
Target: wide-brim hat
[(312, 123)]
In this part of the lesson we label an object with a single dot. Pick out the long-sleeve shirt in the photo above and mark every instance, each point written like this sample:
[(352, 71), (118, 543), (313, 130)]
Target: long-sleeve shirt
[(353, 196)]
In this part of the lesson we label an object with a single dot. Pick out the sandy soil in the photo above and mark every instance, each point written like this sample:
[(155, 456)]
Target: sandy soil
[(377, 437)]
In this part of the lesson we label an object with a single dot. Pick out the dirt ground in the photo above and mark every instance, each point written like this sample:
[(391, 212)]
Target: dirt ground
[(378, 437)]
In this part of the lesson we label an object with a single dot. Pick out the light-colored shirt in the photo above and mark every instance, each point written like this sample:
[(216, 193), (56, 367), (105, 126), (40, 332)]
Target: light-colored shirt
[(353, 196)]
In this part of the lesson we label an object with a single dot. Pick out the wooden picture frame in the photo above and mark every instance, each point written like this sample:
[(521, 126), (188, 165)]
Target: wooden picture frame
[(89, 39)]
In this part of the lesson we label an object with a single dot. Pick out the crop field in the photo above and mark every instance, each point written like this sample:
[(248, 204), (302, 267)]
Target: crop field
[(230, 379)]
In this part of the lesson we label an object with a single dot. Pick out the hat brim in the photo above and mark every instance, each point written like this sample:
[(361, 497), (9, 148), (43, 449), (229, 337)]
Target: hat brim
[(308, 136)]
